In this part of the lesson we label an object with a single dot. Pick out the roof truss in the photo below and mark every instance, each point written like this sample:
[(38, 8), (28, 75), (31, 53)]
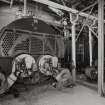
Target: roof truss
[(65, 8)]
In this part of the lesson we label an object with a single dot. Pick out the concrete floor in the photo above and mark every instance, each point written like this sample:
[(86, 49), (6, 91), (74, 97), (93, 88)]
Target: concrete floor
[(47, 95)]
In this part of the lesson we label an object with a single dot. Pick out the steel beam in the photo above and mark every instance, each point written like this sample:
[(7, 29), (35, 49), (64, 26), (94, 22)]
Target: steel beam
[(65, 8), (85, 9), (6, 1)]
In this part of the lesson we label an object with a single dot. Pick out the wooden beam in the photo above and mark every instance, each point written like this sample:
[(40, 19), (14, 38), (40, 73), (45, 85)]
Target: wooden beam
[(100, 47), (65, 8)]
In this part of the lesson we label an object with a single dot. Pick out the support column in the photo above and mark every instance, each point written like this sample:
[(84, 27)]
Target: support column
[(73, 30), (100, 47), (73, 52), (25, 7), (90, 46)]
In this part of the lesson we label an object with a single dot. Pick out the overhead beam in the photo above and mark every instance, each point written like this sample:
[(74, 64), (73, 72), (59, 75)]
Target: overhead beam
[(89, 7), (6, 1), (76, 4), (65, 8)]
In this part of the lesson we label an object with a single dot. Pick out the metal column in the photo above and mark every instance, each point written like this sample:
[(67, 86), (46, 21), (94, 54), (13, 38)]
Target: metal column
[(25, 7), (73, 52), (90, 46), (73, 30), (100, 47)]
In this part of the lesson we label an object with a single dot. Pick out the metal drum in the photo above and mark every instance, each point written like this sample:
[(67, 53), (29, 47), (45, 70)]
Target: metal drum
[(46, 64)]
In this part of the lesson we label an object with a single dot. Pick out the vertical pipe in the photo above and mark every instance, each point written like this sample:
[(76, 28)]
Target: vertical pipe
[(44, 41), (83, 50), (65, 32), (30, 42), (25, 7), (11, 3), (100, 47), (73, 52), (90, 46)]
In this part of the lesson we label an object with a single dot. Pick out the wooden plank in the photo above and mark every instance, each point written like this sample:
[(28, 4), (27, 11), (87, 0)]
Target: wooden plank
[(100, 47)]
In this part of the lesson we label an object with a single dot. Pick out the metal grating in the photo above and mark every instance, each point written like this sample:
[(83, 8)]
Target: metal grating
[(7, 42), (36, 45), (13, 43), (24, 45), (9, 39)]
